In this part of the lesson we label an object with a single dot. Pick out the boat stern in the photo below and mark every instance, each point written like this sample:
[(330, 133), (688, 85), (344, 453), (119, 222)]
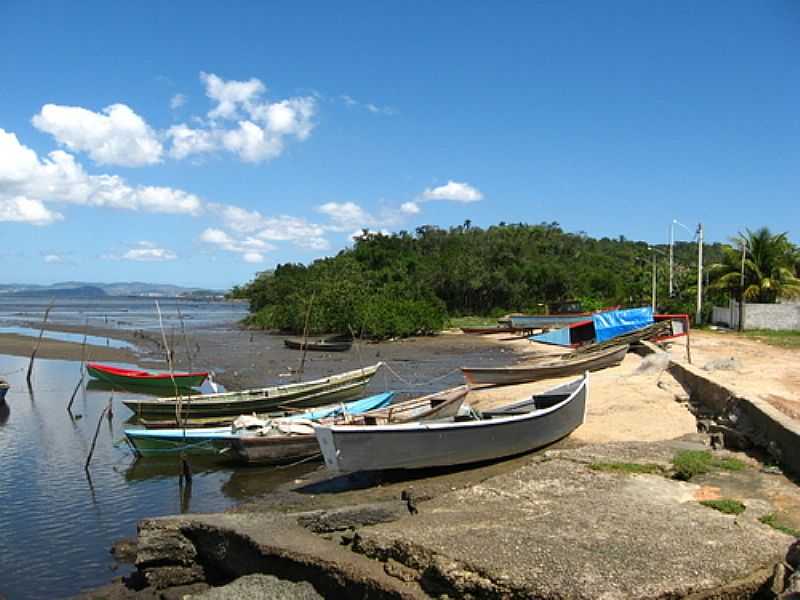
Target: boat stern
[(328, 446)]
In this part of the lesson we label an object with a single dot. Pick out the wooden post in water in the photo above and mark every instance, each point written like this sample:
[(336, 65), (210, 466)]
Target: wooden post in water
[(185, 338), (186, 470), (82, 371), (94, 439), (38, 341), (305, 338)]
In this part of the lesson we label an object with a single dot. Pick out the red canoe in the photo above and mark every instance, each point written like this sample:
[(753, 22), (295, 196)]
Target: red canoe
[(125, 377)]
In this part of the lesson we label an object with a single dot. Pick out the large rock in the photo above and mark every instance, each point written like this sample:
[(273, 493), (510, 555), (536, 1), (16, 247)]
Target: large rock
[(558, 529), (162, 545), (261, 587)]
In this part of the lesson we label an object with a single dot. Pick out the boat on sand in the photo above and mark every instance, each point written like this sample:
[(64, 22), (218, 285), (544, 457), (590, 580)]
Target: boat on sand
[(546, 367), (298, 442), (527, 425), (213, 440)]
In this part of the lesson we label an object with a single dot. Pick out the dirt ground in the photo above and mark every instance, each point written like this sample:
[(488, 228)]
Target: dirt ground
[(759, 369), (626, 403)]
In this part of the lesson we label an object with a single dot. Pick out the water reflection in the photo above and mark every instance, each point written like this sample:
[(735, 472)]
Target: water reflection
[(68, 517)]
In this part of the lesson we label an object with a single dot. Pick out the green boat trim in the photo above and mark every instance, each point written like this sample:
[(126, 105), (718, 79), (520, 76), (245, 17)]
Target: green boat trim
[(293, 395)]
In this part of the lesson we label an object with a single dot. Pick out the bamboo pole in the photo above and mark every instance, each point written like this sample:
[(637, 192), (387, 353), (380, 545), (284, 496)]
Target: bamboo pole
[(305, 338), (186, 470), (38, 341), (688, 347), (185, 338), (94, 439), (82, 370)]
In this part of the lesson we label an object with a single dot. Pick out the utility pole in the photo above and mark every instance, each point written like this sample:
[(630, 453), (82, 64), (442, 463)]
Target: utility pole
[(654, 282), (671, 244), (740, 325), (698, 317), (671, 251)]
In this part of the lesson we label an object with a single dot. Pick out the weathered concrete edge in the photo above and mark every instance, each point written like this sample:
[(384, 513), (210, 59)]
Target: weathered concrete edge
[(765, 425)]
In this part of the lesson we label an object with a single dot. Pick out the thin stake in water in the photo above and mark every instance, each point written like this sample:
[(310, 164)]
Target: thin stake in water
[(38, 341)]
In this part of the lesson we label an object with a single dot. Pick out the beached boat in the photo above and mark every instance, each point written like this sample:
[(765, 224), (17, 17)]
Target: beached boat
[(3, 389), (216, 407), (332, 345), (213, 440), (546, 368), (137, 378), (299, 442), (522, 427)]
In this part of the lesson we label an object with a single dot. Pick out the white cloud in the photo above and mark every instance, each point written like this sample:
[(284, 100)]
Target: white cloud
[(455, 191), (53, 259), (283, 228), (346, 215), (187, 141), (59, 178), (230, 95), (144, 252), (117, 136), (253, 257), (410, 208), (373, 108), (26, 210), (262, 127), (177, 101), (251, 142), (252, 249)]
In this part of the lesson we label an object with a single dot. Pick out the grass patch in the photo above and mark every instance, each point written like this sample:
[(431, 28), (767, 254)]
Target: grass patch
[(471, 321), (725, 505), (772, 520), (628, 468), (688, 463), (782, 339)]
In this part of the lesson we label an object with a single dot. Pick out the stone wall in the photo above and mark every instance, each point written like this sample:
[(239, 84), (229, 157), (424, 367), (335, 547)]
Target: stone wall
[(784, 317)]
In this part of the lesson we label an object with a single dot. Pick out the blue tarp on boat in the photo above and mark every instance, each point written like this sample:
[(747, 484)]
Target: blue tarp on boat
[(610, 324), (560, 337)]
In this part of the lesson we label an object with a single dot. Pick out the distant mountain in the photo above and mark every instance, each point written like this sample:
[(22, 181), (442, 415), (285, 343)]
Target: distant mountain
[(83, 289)]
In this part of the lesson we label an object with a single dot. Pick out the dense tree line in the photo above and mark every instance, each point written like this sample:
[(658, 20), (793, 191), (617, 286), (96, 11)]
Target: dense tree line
[(410, 283)]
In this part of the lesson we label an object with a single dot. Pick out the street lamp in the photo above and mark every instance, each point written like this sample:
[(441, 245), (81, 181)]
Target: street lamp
[(671, 245)]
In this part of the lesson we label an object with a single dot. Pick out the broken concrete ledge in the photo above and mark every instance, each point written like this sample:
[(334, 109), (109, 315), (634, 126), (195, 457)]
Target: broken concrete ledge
[(765, 426)]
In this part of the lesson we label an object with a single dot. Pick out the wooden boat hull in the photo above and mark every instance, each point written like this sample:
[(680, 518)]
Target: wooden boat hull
[(124, 378), (275, 450), (318, 346), (287, 448), (537, 372), (232, 404), (213, 440), (421, 445)]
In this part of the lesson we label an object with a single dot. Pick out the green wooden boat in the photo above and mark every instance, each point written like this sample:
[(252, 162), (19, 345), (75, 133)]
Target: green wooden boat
[(224, 407)]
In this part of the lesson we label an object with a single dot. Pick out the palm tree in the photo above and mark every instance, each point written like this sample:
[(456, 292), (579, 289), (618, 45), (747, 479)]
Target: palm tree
[(769, 267)]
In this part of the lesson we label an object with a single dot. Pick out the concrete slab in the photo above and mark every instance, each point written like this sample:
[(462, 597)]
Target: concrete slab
[(557, 529)]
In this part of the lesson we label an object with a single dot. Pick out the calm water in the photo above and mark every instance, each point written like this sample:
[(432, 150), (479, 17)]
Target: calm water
[(123, 313), (56, 525)]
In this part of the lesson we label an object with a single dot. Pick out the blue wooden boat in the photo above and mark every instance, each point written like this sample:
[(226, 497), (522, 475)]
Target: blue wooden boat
[(212, 440)]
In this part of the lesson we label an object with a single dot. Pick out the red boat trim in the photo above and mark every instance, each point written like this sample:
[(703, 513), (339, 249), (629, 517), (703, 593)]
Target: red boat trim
[(138, 374)]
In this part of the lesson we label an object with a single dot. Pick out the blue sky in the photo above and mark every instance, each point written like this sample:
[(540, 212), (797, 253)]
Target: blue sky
[(198, 143)]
